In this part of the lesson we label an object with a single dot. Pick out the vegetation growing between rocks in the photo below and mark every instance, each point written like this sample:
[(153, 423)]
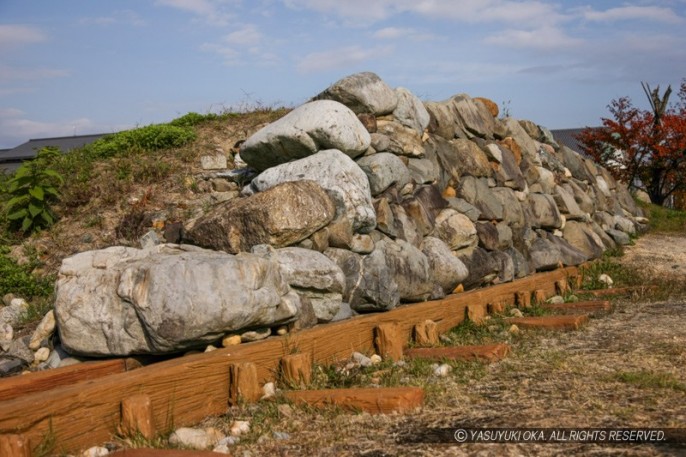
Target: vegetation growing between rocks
[(665, 220)]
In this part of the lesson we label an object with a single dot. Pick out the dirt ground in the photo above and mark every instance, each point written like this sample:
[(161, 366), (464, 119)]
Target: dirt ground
[(625, 369)]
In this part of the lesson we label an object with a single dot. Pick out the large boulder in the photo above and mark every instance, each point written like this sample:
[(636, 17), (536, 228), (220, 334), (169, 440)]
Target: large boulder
[(455, 229), (383, 170), (363, 93), (311, 275), (523, 140), (120, 301), (544, 211), (476, 192), (403, 141), (410, 111), (446, 269), (545, 255), (582, 237), (282, 215), (409, 268), (338, 174), (481, 266), (476, 118), (311, 127)]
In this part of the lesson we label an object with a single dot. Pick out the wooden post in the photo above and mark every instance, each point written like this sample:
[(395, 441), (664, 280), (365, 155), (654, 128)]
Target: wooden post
[(539, 296), (14, 446), (476, 312), (297, 369), (373, 400), (243, 385), (523, 300), (389, 341), (426, 333), (496, 308), (561, 286), (137, 417)]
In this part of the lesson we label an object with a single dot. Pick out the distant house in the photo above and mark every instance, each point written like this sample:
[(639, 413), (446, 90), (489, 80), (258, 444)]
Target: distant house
[(568, 138), (11, 159)]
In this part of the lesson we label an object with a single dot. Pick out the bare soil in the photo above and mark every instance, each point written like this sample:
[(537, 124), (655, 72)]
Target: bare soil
[(625, 369)]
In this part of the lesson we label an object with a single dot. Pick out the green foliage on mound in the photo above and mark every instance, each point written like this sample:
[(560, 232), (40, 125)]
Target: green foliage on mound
[(19, 280), (149, 138), (665, 220)]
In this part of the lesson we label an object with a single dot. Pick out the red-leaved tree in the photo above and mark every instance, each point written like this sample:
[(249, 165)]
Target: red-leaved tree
[(644, 148)]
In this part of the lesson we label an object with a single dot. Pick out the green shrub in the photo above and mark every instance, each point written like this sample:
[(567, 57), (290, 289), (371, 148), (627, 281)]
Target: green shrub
[(17, 279), (149, 138), (192, 119), (31, 191)]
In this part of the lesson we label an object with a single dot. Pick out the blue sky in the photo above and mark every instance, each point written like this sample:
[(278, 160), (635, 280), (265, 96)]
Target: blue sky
[(91, 66)]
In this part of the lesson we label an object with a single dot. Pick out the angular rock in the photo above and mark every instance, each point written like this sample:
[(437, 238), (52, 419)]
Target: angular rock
[(405, 226), (482, 267), (45, 329), (380, 142), (569, 255), (120, 301), (336, 173), (448, 124), (470, 159), (488, 235), (544, 211), (410, 111), (582, 237), (545, 255), (403, 141), (455, 229), (311, 274), (625, 225), (463, 207), (574, 162), (567, 205), (311, 127), (505, 269), (446, 270), (475, 116), (619, 237), (14, 313), (383, 170), (281, 215), (423, 171), (363, 93), (523, 140), (476, 192), (409, 268), (513, 213), (519, 263), (490, 105)]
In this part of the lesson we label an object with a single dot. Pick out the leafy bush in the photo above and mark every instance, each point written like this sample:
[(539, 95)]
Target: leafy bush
[(31, 191), (17, 279), (192, 119), (149, 138)]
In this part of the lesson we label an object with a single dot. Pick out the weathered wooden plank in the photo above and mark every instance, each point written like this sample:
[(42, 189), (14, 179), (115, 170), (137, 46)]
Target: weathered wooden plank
[(569, 322), (14, 446), (42, 381), (163, 453), (373, 400), (617, 291), (185, 390), (593, 306), (483, 353)]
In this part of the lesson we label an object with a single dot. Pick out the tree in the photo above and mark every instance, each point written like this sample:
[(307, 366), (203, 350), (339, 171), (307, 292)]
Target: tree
[(646, 149)]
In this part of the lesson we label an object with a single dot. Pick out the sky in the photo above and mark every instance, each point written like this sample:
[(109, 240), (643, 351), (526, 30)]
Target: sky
[(94, 66)]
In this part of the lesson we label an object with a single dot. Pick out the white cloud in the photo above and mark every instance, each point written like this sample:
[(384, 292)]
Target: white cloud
[(8, 74), (126, 17), (545, 38), (13, 35), (340, 58), (15, 128), (365, 10), (212, 11), (626, 13), (394, 33), (249, 35)]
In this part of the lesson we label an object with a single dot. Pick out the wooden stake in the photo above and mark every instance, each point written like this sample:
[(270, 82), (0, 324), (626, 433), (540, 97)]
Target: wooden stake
[(476, 312), (373, 400), (243, 385), (561, 286), (539, 296), (137, 417), (486, 353), (389, 341), (523, 300), (297, 369), (496, 308), (14, 446), (426, 333)]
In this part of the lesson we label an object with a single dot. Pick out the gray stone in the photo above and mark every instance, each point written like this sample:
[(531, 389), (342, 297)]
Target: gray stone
[(519, 263), (410, 111), (10, 366), (311, 127), (409, 268), (19, 349), (505, 269), (384, 170), (488, 235), (567, 205), (335, 172), (14, 313), (344, 312), (256, 335), (403, 141), (463, 207), (506, 172), (582, 237), (423, 171), (455, 229), (482, 267), (583, 198), (282, 215), (525, 142), (545, 255), (362, 243), (448, 124), (380, 142), (544, 211), (45, 329), (470, 159), (168, 299), (477, 192), (569, 255), (574, 163), (363, 93), (476, 118), (215, 161), (446, 269), (625, 225), (406, 229), (195, 438), (311, 274), (619, 237), (546, 179)]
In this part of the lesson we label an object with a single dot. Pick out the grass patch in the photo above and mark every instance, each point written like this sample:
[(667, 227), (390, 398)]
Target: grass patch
[(468, 333), (665, 220), (20, 280), (650, 379)]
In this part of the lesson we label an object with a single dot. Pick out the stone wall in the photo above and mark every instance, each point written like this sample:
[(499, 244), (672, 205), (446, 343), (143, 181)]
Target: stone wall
[(362, 199)]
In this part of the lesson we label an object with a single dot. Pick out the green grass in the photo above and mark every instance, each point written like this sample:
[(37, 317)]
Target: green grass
[(665, 220), (19, 279), (650, 379)]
